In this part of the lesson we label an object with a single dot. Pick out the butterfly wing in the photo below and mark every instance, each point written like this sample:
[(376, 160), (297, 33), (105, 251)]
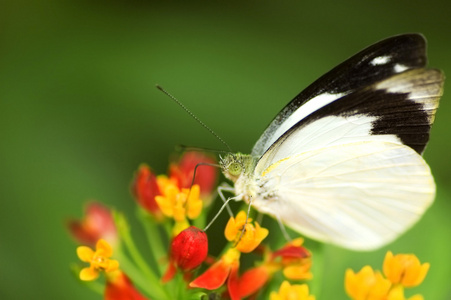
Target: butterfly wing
[(375, 63), (358, 195), (350, 173)]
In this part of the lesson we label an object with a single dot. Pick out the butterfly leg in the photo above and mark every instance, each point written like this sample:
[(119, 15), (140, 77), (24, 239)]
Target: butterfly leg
[(221, 189)]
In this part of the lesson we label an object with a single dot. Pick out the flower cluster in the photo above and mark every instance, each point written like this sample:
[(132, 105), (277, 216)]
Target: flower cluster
[(172, 209), (401, 271)]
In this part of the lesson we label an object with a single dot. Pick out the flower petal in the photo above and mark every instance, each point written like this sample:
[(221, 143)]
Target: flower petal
[(85, 253), (88, 274), (103, 248), (214, 277)]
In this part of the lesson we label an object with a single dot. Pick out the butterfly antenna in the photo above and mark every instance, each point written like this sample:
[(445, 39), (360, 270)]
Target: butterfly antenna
[(194, 116)]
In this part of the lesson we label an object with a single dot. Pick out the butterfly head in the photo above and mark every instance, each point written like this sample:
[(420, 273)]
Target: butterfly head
[(233, 165)]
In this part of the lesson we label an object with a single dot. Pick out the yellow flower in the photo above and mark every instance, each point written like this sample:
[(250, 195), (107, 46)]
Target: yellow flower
[(292, 292), (99, 260), (366, 284), (405, 269), (177, 203), (397, 293), (252, 236)]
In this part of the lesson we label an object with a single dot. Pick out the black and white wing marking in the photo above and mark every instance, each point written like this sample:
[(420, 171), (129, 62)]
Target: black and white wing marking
[(375, 63), (349, 171)]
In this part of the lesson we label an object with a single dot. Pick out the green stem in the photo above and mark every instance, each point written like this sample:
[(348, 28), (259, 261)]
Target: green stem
[(154, 239), (317, 249), (158, 292)]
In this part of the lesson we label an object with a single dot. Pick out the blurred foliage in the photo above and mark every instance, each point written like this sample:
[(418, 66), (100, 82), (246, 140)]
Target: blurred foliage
[(79, 110)]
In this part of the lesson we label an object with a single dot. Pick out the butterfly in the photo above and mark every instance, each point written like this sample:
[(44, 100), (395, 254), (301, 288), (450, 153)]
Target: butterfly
[(341, 163)]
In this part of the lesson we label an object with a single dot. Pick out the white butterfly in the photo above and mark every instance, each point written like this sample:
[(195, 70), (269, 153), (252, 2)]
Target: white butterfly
[(341, 163)]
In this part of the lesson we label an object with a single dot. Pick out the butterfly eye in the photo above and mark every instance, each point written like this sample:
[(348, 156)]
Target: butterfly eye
[(235, 169)]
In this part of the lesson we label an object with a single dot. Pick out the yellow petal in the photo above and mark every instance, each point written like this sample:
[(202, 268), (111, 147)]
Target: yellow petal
[(179, 226), (165, 205), (194, 204), (85, 253), (113, 265), (251, 238), (88, 274), (230, 231), (103, 248)]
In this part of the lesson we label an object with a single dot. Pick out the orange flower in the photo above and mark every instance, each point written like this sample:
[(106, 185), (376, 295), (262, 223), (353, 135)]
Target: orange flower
[(405, 269), (96, 224), (291, 292), (119, 287), (252, 236), (366, 284), (99, 260)]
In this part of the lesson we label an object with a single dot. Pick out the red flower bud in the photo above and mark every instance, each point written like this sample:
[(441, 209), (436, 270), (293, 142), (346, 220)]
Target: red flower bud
[(145, 188), (206, 176), (188, 250), (96, 224)]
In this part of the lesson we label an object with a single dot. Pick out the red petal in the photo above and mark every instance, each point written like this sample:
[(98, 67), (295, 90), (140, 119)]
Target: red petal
[(292, 252), (252, 281), (145, 189), (206, 176), (233, 283), (213, 278), (121, 288), (170, 272)]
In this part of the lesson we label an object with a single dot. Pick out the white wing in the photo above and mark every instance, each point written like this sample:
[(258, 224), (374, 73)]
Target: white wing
[(358, 195)]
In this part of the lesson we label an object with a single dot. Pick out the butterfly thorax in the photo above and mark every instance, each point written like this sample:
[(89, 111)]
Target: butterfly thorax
[(239, 168)]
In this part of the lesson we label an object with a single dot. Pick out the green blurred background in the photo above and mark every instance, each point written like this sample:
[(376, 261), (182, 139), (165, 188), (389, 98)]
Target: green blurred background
[(80, 111)]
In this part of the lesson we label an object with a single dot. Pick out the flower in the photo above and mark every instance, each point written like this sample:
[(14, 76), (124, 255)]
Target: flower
[(397, 293), (291, 292), (144, 189), (205, 177), (96, 224), (215, 276), (405, 269), (252, 236), (178, 204), (296, 260), (188, 250), (119, 287), (366, 284), (99, 260)]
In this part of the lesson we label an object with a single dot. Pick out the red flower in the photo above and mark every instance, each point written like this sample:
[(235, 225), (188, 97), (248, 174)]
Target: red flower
[(206, 176), (188, 250), (119, 287), (97, 224), (145, 188)]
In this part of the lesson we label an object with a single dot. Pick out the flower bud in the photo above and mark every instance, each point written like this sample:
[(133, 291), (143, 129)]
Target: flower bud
[(188, 250)]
